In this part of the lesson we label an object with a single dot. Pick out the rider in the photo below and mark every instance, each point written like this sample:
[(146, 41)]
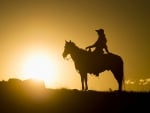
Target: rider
[(100, 44)]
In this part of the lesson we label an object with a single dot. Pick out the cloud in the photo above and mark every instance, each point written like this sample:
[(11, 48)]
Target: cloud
[(129, 82), (144, 81), (138, 85), (139, 82)]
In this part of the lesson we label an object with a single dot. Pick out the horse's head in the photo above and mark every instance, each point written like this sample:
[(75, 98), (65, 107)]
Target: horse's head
[(68, 48)]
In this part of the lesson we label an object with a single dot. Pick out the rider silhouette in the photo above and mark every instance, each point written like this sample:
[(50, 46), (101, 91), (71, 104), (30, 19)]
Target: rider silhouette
[(100, 44)]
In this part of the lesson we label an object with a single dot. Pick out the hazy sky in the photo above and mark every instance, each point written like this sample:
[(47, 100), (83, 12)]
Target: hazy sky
[(30, 27)]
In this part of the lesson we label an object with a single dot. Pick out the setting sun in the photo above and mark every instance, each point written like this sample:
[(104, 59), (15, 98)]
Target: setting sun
[(42, 67)]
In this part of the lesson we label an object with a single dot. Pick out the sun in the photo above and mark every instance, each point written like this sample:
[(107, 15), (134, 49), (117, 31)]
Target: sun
[(41, 67)]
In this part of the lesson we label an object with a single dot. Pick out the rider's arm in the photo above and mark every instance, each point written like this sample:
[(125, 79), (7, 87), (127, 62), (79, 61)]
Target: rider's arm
[(88, 47), (94, 45)]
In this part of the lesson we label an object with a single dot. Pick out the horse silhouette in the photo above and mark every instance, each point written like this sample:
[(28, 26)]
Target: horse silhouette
[(89, 62)]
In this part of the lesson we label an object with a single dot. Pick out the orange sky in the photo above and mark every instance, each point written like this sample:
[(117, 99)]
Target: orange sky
[(42, 26)]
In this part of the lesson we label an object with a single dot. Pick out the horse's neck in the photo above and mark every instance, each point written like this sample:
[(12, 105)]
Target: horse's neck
[(76, 54)]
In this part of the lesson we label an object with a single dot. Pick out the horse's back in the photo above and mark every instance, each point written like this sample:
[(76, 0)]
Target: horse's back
[(111, 57)]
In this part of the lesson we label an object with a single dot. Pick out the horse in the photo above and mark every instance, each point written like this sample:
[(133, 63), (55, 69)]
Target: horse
[(86, 62)]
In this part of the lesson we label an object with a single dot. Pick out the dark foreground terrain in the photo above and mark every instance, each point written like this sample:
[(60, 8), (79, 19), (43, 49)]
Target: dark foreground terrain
[(26, 99)]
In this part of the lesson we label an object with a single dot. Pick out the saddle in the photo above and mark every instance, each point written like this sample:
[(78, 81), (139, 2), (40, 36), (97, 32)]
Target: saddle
[(96, 53), (98, 60)]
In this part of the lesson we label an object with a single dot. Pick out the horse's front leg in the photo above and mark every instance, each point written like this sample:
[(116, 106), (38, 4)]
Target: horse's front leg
[(82, 82), (86, 85)]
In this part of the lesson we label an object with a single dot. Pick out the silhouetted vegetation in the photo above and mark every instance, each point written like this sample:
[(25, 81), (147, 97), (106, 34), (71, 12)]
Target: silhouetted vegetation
[(18, 96)]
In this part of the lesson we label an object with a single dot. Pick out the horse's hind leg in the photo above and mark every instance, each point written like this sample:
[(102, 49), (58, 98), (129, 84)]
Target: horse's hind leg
[(120, 85), (82, 82), (119, 77)]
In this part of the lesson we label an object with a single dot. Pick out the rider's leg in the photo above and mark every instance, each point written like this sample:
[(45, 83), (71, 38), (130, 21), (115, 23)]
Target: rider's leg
[(106, 48)]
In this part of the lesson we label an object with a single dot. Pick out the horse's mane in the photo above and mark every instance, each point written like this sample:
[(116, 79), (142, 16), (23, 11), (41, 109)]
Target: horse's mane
[(78, 48)]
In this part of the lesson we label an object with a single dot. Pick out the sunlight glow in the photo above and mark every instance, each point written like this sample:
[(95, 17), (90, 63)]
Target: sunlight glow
[(41, 67)]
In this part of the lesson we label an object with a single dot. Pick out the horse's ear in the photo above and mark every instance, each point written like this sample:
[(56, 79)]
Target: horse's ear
[(70, 41), (65, 41)]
